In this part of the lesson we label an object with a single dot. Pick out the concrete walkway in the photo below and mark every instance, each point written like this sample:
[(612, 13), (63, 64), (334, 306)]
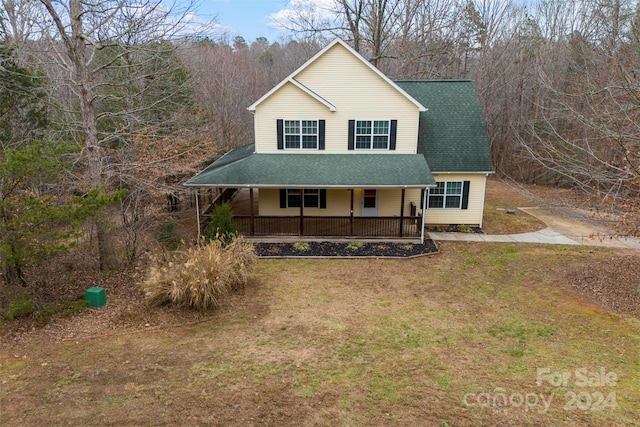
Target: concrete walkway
[(565, 226)]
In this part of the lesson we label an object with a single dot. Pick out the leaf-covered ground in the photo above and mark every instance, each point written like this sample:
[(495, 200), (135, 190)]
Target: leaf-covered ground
[(612, 282)]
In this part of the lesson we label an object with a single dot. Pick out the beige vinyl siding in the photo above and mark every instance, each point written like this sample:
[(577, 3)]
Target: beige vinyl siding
[(470, 216), (356, 91), (288, 103), (338, 204), (389, 200)]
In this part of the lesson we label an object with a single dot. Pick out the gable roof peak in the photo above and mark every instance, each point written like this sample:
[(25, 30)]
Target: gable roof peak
[(337, 40)]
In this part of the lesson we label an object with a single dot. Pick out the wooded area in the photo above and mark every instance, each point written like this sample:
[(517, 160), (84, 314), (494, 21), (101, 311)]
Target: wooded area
[(106, 107)]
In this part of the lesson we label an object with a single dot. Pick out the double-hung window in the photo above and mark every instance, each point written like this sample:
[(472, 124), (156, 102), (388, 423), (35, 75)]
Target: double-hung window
[(446, 194), (372, 134), (311, 198), (301, 134)]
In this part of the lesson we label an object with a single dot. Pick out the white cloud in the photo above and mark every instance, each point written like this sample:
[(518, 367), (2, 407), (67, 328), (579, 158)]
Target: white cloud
[(295, 11)]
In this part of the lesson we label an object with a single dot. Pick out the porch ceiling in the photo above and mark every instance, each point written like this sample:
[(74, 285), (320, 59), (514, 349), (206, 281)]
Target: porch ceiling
[(242, 168)]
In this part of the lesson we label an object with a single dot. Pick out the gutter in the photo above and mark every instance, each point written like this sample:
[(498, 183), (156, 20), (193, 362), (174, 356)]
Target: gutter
[(308, 186)]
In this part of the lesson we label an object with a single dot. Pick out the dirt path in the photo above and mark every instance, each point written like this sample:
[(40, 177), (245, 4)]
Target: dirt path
[(581, 226), (572, 222)]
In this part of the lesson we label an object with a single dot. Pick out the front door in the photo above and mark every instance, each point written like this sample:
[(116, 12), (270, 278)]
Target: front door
[(369, 202)]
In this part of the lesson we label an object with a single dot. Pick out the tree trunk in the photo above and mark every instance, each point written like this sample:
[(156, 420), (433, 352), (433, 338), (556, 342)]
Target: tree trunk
[(78, 54), (13, 271)]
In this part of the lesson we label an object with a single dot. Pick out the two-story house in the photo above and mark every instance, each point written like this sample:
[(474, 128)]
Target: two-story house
[(341, 150)]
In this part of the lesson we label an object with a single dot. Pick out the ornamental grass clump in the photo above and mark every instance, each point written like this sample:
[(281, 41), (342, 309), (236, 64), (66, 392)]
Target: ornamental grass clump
[(199, 277)]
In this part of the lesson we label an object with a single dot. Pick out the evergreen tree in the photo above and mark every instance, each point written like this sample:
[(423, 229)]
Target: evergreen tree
[(22, 110)]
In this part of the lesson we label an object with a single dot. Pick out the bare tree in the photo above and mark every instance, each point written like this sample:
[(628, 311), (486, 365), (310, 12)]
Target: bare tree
[(587, 132), (426, 47), (110, 49), (369, 25), (17, 19)]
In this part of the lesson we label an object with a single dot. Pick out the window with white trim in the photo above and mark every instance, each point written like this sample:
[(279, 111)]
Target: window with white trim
[(446, 194), (372, 134), (311, 198), (301, 134)]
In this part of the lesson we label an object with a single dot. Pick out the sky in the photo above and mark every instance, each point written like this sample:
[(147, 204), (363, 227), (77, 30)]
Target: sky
[(247, 18), (251, 18)]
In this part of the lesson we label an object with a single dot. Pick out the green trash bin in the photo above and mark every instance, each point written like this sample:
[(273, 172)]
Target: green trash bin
[(95, 296)]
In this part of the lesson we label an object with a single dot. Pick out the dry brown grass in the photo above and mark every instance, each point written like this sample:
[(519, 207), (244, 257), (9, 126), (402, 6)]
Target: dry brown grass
[(347, 343), (199, 277)]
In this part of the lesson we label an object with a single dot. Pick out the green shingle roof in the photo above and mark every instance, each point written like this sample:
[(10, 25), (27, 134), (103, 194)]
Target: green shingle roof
[(452, 134), (451, 137), (242, 167)]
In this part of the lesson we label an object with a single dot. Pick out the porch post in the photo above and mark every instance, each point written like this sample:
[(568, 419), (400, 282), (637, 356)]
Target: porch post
[(402, 214), (198, 213), (351, 215), (251, 227), (424, 210), (302, 212)]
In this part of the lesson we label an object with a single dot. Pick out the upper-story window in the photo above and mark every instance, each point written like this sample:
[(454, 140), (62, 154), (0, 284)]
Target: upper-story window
[(301, 134), (372, 134)]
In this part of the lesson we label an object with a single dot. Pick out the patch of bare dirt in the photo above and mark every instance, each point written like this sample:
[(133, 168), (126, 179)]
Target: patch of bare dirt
[(613, 283), (544, 195)]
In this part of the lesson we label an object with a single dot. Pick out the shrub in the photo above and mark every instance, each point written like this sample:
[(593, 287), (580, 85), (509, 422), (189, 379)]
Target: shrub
[(301, 246), (464, 228), (199, 277), (354, 246), (19, 308), (222, 227)]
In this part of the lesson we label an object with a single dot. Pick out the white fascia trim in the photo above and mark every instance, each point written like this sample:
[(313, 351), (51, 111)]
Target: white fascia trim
[(291, 76), (300, 86), (314, 95)]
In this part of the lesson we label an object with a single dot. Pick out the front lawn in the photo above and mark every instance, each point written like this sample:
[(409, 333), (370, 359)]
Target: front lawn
[(461, 338)]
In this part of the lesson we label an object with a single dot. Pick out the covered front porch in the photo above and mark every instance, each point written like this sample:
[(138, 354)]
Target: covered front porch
[(355, 195), (245, 208)]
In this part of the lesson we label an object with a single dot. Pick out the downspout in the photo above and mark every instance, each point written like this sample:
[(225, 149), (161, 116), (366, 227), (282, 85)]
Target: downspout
[(424, 211), (484, 190)]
